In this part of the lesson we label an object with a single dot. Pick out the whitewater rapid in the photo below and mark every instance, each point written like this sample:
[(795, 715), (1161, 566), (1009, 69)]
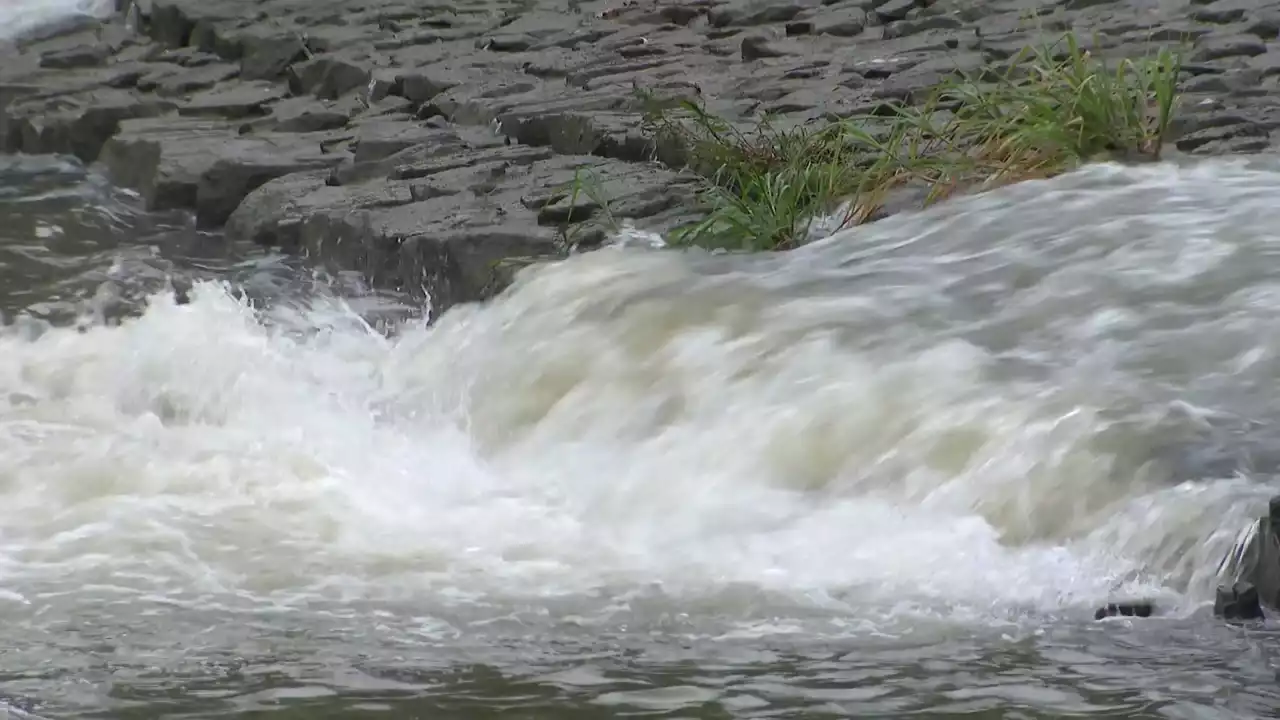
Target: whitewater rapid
[(20, 16), (1012, 404)]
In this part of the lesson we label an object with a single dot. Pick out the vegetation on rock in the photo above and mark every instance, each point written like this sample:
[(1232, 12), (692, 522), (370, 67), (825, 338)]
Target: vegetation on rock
[(1044, 112)]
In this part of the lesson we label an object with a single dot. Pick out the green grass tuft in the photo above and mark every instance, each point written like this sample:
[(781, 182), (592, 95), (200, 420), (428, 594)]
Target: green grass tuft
[(1047, 111)]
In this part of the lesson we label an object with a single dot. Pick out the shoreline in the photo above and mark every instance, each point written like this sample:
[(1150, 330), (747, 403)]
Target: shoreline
[(428, 145)]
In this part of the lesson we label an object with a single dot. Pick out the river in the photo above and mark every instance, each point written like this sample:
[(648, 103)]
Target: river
[(889, 474)]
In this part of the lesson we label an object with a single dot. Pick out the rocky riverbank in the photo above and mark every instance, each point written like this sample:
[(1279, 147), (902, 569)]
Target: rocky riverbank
[(426, 142)]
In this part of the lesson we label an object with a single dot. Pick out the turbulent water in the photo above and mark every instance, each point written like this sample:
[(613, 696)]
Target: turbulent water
[(18, 17), (891, 473)]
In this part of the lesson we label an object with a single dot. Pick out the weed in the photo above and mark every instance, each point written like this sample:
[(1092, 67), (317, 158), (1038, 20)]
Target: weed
[(1049, 110)]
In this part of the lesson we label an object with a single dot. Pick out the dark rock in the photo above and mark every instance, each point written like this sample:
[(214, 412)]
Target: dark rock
[(840, 21), (200, 164), (266, 57), (1214, 47), (755, 47), (381, 139), (170, 82), (756, 12), (1139, 608), (1265, 26), (895, 9), (75, 124), (1237, 602), (307, 115), (80, 57), (234, 101), (241, 169), (328, 77), (424, 84)]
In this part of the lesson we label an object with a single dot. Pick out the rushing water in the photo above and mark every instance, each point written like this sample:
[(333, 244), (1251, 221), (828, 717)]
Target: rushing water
[(18, 17), (889, 474)]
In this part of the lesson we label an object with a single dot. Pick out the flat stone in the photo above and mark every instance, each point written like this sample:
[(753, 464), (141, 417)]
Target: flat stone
[(839, 21), (267, 55), (307, 115), (75, 124), (330, 77), (178, 82), (80, 57), (1214, 47), (235, 101), (201, 164)]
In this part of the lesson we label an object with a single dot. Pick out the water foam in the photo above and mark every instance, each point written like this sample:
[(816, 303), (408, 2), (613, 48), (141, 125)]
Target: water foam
[(803, 428), (18, 17)]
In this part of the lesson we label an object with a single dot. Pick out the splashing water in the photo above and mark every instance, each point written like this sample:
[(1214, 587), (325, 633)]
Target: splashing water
[(18, 17), (1005, 409)]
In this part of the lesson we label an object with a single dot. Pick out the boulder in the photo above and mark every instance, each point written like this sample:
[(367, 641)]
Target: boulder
[(200, 164), (1238, 601)]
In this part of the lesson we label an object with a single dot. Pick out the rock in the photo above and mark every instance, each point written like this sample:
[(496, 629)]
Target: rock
[(411, 139), (242, 169), (266, 56), (756, 12), (755, 47), (329, 77), (840, 21), (76, 124), (424, 84), (1239, 601), (307, 115), (1139, 608), (177, 82), (196, 164), (79, 57), (895, 9), (446, 222), (235, 100), (1214, 47)]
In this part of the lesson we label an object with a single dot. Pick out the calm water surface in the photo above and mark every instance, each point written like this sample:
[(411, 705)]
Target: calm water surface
[(890, 474)]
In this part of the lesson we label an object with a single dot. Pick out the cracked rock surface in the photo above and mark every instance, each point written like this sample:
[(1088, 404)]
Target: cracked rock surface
[(425, 141)]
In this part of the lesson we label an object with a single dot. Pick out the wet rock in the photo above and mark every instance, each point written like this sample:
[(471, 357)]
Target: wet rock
[(75, 124), (479, 113), (1239, 601), (1139, 608), (242, 168)]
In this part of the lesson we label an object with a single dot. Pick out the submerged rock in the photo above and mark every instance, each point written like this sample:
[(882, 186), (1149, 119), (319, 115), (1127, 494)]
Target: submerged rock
[(1137, 608)]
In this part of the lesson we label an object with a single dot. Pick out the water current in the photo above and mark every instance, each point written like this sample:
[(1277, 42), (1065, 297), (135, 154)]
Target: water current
[(889, 474), (17, 17)]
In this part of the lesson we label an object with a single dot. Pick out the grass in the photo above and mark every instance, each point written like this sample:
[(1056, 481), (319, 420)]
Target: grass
[(1045, 112)]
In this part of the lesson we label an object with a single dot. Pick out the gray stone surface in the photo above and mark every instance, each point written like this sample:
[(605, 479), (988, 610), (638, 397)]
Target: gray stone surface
[(422, 141)]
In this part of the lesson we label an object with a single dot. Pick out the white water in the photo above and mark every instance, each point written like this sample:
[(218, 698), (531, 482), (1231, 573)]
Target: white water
[(20, 16), (967, 413)]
